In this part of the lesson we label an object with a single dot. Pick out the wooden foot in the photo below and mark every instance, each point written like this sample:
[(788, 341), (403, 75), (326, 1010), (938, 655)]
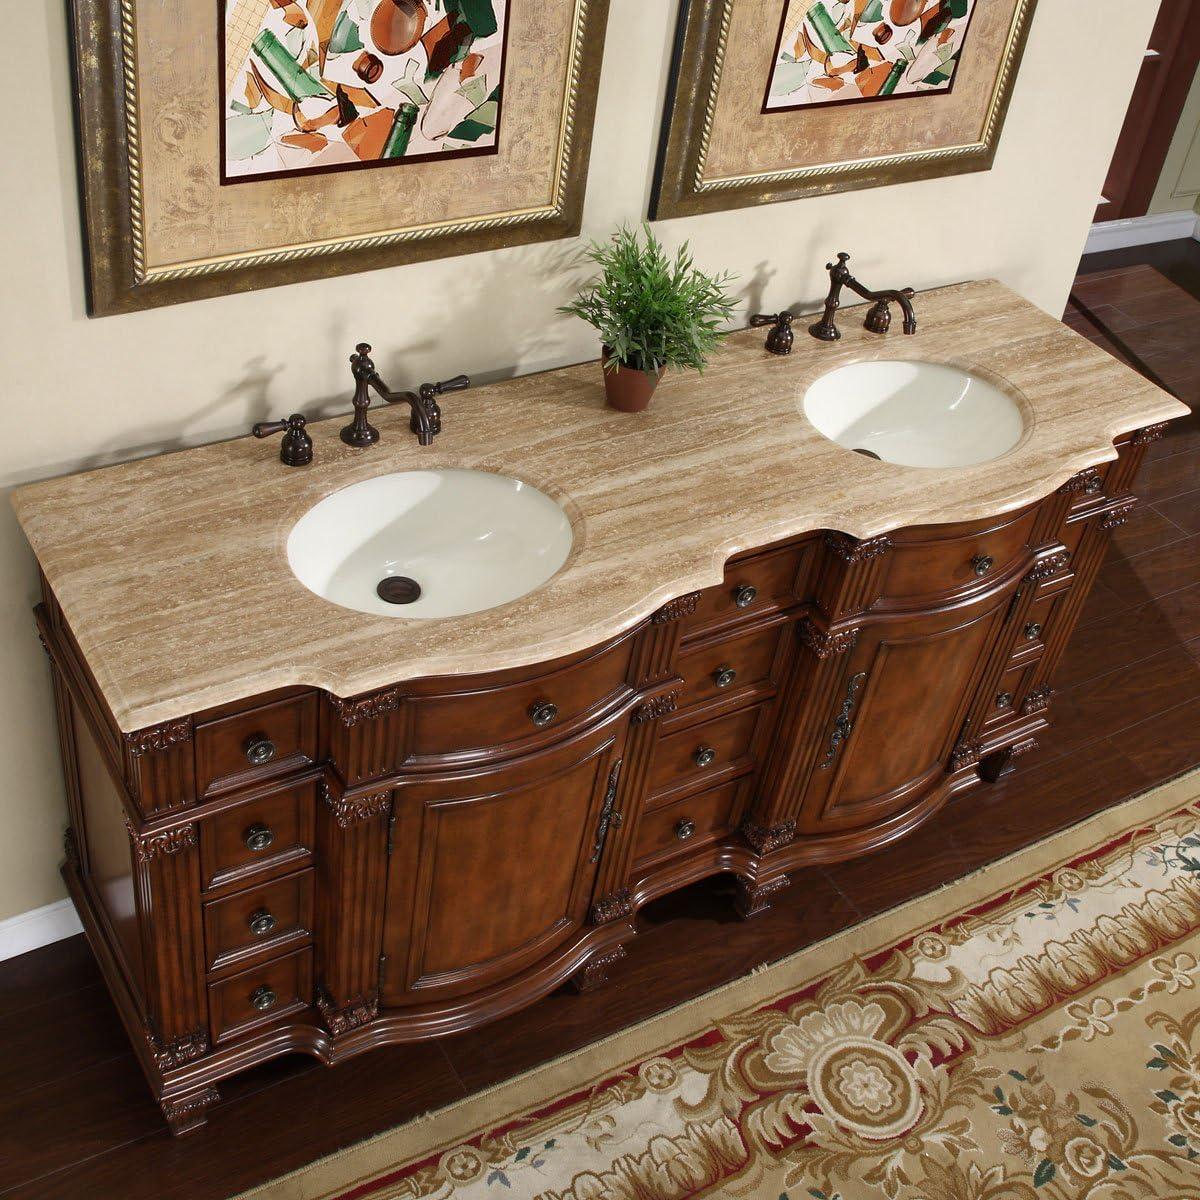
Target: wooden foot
[(594, 972), (750, 899), (996, 766), (188, 1112)]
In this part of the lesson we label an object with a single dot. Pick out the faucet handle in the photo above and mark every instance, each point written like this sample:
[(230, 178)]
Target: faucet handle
[(361, 365), (459, 383), (296, 449), (779, 340)]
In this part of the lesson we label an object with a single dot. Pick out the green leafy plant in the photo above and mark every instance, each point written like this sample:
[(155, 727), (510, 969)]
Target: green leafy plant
[(652, 311)]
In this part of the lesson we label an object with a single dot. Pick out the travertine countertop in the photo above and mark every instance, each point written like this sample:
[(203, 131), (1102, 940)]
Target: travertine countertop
[(172, 571)]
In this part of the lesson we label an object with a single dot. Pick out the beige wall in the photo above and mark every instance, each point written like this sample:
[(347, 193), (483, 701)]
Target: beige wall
[(1178, 186), (80, 392)]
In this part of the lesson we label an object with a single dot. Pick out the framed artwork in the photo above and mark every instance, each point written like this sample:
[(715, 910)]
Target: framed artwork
[(782, 99), (227, 145)]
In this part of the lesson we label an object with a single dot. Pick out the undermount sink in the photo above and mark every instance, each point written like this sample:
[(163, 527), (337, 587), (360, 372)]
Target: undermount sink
[(915, 414), (438, 543)]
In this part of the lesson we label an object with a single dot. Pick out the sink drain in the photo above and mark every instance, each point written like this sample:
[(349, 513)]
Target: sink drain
[(398, 589)]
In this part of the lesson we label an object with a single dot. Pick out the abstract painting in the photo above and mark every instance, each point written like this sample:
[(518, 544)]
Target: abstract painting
[(774, 100), (323, 85), (840, 51)]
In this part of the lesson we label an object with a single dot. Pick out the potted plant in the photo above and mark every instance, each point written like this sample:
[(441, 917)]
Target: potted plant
[(652, 312)]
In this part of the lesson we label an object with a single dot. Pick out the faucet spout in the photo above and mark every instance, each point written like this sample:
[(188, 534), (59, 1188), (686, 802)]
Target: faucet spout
[(879, 317)]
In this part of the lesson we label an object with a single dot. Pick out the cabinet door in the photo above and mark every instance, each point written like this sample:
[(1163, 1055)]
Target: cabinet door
[(898, 708), (493, 870)]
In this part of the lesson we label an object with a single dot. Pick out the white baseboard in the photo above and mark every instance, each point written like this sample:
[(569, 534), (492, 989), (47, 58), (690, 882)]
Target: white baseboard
[(1141, 231), (38, 927)]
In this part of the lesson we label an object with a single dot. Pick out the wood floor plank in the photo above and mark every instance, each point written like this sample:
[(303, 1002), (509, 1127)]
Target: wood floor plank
[(1148, 528), (1183, 511), (61, 967), (1156, 573)]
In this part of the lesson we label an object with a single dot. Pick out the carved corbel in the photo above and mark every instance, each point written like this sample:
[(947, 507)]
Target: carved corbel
[(179, 1050), (1088, 482), (763, 840), (675, 610), (158, 738), (365, 708), (853, 550), (825, 642), (1048, 567), (1037, 700), (345, 1018), (1118, 514), (651, 710), (966, 753), (350, 810), (1151, 433), (612, 907), (148, 846)]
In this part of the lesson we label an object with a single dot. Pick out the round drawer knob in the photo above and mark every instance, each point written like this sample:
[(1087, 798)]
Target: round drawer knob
[(1033, 631), (258, 838), (724, 676), (981, 564), (685, 829), (263, 998), (543, 713), (745, 595), (1004, 700), (705, 756), (261, 922), (259, 750)]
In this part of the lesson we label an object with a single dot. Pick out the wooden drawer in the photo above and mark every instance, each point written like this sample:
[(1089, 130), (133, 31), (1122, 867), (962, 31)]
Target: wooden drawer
[(282, 820), (234, 1003), (755, 585), (731, 664), (252, 746), (259, 920), (683, 824), (704, 749), (462, 722), (935, 560)]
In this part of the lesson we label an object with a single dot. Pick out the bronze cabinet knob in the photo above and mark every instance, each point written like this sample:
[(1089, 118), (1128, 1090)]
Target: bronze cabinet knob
[(981, 564), (258, 838), (685, 828), (745, 595), (261, 922), (1033, 631), (259, 750), (263, 998), (543, 713), (1004, 700), (705, 756), (724, 676)]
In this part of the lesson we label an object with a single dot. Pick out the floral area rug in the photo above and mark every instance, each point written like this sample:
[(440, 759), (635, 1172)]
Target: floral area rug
[(1031, 1032)]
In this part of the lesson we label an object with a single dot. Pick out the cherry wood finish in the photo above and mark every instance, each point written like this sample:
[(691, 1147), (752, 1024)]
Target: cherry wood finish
[(439, 854)]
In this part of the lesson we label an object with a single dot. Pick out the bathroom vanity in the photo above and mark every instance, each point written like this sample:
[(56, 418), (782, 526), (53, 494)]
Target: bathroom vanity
[(297, 826)]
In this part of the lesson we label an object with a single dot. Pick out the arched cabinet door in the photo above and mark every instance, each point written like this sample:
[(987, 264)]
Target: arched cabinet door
[(897, 708), (492, 870)]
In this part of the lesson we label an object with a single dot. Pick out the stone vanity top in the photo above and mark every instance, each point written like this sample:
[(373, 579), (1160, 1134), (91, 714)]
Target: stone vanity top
[(172, 571)]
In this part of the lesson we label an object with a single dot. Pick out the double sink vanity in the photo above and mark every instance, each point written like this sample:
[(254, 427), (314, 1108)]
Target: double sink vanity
[(778, 619)]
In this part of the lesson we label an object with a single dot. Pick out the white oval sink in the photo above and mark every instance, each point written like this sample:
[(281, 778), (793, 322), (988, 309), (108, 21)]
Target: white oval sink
[(915, 414), (470, 539)]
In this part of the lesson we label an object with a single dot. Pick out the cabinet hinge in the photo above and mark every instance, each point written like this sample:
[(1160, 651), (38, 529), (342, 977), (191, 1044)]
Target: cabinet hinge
[(391, 841), (1012, 604), (382, 969)]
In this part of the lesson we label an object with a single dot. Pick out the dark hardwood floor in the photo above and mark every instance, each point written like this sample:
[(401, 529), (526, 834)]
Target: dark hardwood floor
[(79, 1122)]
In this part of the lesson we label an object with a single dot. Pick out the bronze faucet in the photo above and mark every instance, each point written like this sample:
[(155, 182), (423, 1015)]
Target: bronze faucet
[(879, 317), (296, 449), (426, 420)]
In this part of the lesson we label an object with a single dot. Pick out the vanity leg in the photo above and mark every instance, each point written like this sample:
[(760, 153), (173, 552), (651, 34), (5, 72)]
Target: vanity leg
[(751, 898), (996, 766), (594, 972), (190, 1111)]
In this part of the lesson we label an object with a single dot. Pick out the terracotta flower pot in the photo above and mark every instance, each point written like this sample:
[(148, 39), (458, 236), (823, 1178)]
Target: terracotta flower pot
[(628, 389)]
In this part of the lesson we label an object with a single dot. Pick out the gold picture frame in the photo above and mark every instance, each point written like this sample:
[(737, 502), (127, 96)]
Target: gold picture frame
[(721, 147), (161, 226)]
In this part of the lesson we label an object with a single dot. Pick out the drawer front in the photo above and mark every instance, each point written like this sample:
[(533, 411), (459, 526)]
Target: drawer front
[(462, 722), (722, 668), (252, 746), (260, 995), (754, 586), (1011, 693), (702, 750), (926, 564), (677, 827), (261, 834), (259, 920)]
